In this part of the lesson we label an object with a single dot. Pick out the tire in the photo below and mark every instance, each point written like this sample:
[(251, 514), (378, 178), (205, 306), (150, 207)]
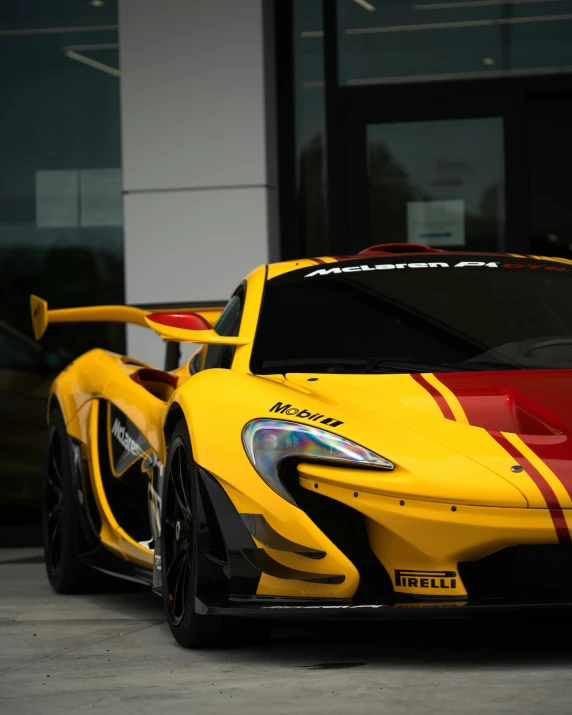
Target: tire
[(60, 519), (179, 546)]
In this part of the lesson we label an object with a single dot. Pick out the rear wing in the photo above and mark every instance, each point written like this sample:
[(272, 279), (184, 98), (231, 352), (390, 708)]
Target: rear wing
[(42, 316)]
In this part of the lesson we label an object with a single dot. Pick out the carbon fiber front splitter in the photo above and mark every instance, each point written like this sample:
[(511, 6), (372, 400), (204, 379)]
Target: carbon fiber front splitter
[(281, 610)]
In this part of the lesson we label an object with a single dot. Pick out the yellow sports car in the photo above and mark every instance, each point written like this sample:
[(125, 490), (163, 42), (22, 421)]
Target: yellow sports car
[(358, 436)]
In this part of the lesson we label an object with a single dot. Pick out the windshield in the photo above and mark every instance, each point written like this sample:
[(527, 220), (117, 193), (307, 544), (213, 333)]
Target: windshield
[(417, 314)]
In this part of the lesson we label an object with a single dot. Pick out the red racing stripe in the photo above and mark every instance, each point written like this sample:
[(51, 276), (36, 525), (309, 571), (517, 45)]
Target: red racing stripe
[(556, 453), (546, 490), (436, 395), (317, 260), (545, 397)]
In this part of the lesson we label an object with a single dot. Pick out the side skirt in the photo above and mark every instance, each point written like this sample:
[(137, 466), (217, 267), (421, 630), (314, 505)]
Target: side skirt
[(104, 561)]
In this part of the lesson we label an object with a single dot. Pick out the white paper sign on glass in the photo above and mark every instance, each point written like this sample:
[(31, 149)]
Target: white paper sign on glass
[(57, 199), (101, 198), (436, 223)]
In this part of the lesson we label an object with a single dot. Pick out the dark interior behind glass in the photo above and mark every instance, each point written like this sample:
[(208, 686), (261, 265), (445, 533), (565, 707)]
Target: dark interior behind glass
[(417, 319)]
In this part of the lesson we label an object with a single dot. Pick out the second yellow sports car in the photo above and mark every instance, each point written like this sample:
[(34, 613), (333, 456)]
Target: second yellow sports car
[(357, 436)]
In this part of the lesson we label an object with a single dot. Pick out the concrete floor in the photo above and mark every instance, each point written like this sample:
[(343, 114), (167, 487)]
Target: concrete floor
[(113, 653)]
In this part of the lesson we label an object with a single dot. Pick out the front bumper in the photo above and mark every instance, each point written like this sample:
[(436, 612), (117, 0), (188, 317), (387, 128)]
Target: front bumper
[(362, 554), (428, 548)]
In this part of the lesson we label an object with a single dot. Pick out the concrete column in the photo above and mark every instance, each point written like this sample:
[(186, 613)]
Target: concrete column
[(199, 150)]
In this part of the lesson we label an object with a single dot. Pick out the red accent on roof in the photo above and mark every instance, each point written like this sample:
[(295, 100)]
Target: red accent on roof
[(184, 321), (443, 252), (393, 248)]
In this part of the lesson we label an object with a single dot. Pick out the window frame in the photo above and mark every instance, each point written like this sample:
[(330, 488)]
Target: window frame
[(203, 352)]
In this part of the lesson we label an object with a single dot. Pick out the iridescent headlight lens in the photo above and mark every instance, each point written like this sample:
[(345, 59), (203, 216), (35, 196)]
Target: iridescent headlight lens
[(267, 442)]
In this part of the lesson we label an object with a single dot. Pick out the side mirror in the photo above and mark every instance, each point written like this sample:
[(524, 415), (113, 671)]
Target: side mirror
[(189, 328)]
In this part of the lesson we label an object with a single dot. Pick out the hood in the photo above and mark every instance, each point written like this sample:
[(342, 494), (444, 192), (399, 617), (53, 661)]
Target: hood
[(523, 416)]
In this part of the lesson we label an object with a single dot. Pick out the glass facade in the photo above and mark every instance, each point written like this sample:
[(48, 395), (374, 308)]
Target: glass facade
[(549, 151), (310, 125), (447, 123), (396, 42), (61, 234)]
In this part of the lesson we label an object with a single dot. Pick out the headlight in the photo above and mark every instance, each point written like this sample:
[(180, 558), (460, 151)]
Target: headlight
[(267, 442)]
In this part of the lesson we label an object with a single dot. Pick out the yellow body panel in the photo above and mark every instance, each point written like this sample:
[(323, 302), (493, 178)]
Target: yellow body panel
[(427, 536), (452, 497)]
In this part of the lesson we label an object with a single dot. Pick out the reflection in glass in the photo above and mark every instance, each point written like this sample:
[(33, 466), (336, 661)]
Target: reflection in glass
[(439, 183), (61, 233), (394, 41)]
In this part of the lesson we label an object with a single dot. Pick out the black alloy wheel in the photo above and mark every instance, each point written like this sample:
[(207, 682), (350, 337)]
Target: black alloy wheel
[(180, 530), (54, 495), (60, 517), (178, 535)]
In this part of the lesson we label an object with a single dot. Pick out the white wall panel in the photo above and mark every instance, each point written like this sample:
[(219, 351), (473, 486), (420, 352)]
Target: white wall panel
[(198, 121), (190, 245), (194, 91)]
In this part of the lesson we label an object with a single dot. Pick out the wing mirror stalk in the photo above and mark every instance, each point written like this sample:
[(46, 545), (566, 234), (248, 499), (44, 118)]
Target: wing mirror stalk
[(190, 328)]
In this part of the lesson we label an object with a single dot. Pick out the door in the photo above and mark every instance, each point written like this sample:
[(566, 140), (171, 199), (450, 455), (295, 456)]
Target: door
[(549, 148), (488, 174), (429, 173)]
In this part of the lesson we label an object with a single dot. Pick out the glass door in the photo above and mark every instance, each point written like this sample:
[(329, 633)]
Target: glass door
[(440, 183), (432, 172)]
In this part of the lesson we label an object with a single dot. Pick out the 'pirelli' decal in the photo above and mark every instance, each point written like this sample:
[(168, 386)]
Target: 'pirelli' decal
[(287, 409), (365, 267), (410, 578)]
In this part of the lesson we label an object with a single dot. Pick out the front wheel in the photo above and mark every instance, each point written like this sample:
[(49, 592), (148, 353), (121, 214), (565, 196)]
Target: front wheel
[(179, 546)]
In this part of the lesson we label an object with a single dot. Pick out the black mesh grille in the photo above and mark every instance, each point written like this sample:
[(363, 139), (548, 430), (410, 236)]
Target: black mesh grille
[(538, 574)]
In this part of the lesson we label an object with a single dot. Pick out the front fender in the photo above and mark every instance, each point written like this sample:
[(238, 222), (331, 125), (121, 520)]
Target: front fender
[(216, 405), (74, 388)]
